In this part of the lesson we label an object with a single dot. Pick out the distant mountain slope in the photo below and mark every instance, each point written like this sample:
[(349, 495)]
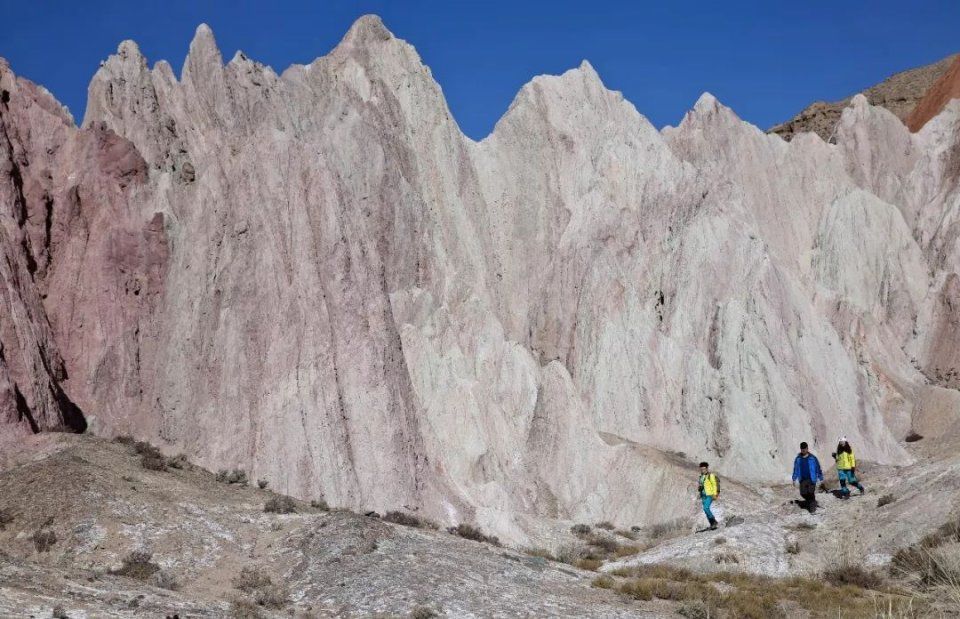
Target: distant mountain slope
[(937, 96), (899, 93)]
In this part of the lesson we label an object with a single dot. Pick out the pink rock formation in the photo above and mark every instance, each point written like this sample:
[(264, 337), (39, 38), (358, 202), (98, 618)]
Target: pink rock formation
[(317, 277)]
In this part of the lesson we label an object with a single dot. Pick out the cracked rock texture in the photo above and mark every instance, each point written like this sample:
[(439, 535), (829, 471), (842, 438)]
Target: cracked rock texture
[(317, 278)]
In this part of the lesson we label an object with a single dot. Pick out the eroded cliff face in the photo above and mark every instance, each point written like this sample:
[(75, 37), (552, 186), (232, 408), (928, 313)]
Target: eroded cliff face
[(317, 278)]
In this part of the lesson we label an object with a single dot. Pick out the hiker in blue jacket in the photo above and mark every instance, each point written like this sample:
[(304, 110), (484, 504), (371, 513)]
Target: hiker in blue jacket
[(807, 471)]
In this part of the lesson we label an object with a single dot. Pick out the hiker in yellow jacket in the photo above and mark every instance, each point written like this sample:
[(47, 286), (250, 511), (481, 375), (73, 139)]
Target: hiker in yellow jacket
[(846, 468), (709, 489)]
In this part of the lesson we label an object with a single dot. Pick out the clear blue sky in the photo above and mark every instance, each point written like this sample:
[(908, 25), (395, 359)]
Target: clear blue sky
[(765, 59)]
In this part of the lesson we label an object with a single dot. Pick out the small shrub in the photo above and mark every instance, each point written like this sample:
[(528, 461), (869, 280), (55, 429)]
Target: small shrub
[(137, 565), (603, 582), (606, 525), (913, 437), (153, 461), (543, 553), (630, 535), (250, 579), (262, 484), (694, 609), (280, 504), (6, 517), (179, 461), (60, 613), (423, 612), (43, 541), (165, 580), (751, 605), (886, 499), (571, 553), (604, 543), (670, 528), (124, 439), (852, 575), (580, 529), (726, 557), (261, 588), (471, 532), (320, 504), (792, 547), (590, 565), (235, 476), (409, 520), (245, 609)]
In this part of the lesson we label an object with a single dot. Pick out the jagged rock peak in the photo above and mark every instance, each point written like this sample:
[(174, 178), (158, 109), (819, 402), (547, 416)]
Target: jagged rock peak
[(203, 51), (367, 29)]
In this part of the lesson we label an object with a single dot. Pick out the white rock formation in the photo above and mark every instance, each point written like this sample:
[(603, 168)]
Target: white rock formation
[(348, 296)]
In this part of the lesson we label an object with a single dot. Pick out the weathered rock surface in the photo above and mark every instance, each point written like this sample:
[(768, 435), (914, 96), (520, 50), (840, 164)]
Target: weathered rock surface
[(900, 93), (318, 278), (937, 97)]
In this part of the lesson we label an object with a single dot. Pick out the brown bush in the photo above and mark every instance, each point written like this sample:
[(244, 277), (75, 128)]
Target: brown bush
[(236, 476), (626, 551), (471, 532), (280, 504), (257, 584), (630, 535), (580, 529), (43, 541), (137, 565), (423, 612), (606, 525), (641, 589), (6, 517), (792, 547), (853, 575), (320, 504)]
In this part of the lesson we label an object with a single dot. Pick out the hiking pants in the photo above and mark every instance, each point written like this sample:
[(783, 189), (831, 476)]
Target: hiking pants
[(707, 501), (808, 490), (847, 476)]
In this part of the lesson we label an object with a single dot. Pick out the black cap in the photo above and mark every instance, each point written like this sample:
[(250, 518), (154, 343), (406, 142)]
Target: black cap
[(803, 445), (704, 464)]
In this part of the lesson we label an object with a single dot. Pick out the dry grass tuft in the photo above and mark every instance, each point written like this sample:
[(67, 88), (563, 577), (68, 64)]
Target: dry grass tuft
[(603, 582), (792, 547), (606, 525), (543, 553), (630, 535), (471, 532), (262, 484), (409, 520), (591, 565), (671, 528), (320, 504), (853, 575), (423, 612), (580, 529)]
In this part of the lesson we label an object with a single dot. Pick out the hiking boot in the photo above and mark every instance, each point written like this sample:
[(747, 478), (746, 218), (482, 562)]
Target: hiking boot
[(713, 526)]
